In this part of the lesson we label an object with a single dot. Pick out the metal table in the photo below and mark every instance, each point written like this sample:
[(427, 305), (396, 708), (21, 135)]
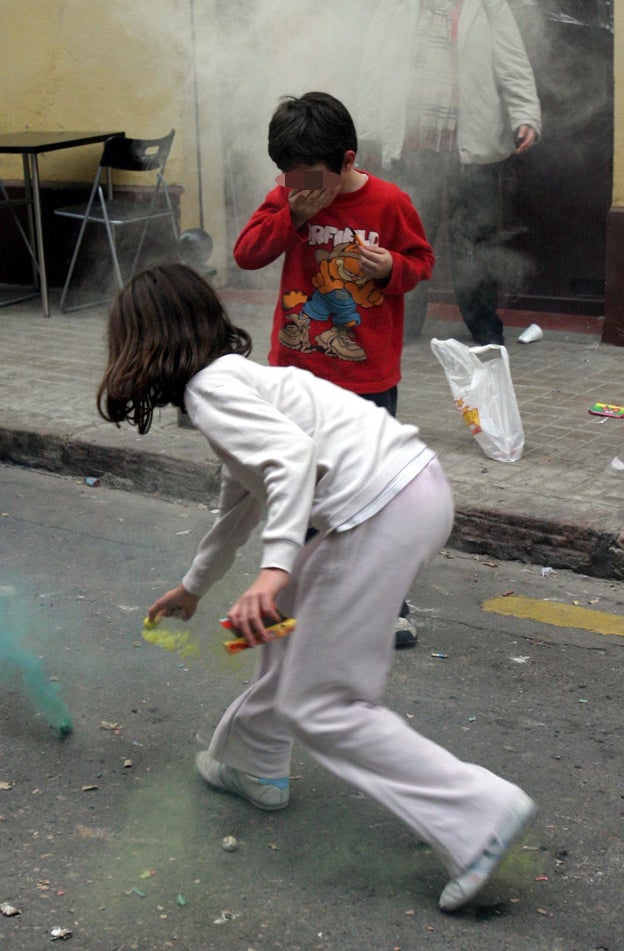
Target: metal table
[(30, 145)]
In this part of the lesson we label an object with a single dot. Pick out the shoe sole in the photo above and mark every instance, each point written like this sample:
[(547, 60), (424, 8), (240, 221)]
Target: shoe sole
[(402, 643), (525, 819)]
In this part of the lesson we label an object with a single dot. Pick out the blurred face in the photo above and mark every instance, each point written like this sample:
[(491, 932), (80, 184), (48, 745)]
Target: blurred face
[(310, 178)]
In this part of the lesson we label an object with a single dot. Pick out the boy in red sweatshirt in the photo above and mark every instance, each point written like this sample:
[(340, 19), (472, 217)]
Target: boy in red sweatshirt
[(353, 246)]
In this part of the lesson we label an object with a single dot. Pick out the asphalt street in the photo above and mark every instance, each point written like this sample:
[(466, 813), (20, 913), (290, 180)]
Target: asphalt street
[(110, 833)]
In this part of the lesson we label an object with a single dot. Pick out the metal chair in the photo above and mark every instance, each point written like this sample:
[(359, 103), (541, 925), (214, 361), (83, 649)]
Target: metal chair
[(105, 207), (10, 204)]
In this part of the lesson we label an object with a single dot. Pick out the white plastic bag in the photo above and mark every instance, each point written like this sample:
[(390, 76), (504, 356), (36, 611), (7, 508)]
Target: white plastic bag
[(480, 381)]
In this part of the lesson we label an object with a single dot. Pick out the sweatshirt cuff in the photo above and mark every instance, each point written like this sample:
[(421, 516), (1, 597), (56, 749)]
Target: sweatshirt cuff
[(196, 582), (280, 554)]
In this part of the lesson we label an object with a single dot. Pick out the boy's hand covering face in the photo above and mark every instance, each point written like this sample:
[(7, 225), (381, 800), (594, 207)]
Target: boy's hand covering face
[(309, 179), (311, 190)]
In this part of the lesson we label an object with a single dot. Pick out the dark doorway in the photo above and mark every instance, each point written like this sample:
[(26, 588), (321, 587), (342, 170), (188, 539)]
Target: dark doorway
[(555, 200)]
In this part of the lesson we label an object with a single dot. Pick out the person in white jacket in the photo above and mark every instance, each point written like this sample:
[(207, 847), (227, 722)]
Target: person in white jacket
[(447, 93), (305, 452)]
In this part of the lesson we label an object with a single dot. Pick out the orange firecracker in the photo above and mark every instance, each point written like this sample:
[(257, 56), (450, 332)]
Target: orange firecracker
[(279, 629)]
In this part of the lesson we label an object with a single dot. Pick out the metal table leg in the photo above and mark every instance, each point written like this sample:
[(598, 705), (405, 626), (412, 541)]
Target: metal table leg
[(31, 224), (39, 235)]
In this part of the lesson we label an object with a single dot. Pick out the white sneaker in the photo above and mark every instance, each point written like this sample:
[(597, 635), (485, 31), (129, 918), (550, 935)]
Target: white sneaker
[(460, 890), (269, 794)]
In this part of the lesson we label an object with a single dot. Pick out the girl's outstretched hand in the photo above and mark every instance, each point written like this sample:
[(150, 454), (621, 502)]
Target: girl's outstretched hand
[(257, 605), (175, 603)]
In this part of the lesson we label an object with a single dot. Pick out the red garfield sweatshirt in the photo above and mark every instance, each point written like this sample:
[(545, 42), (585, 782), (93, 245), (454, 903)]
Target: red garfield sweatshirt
[(330, 318)]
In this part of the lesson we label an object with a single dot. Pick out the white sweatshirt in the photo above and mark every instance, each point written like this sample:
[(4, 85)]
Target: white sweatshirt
[(301, 448)]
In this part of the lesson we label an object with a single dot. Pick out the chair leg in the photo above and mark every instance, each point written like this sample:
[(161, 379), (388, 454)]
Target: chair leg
[(161, 185), (113, 248), (8, 204), (72, 264), (142, 242), (139, 249), (144, 230), (83, 228), (176, 236), (18, 225)]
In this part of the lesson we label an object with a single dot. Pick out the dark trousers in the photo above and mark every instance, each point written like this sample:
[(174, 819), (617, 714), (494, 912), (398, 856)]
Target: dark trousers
[(387, 399), (470, 192)]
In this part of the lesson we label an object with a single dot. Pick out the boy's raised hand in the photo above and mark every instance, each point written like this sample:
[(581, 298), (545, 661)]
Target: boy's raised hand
[(175, 603), (258, 603)]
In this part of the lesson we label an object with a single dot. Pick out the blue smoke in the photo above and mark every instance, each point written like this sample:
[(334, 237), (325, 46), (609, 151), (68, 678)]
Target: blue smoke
[(22, 671)]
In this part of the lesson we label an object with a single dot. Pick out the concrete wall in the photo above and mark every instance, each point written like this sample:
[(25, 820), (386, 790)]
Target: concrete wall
[(118, 65), (213, 69)]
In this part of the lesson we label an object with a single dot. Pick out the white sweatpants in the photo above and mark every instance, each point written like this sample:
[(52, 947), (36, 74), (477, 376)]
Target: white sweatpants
[(323, 684)]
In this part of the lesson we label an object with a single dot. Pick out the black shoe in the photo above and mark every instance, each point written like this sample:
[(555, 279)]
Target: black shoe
[(484, 335), (493, 338), (405, 634)]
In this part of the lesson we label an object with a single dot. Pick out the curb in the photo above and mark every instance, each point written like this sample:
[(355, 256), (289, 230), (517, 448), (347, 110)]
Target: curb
[(535, 540), (127, 469), (509, 536)]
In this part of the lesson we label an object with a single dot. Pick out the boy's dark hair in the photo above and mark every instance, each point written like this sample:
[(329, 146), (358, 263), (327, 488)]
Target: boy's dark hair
[(314, 128), (164, 326)]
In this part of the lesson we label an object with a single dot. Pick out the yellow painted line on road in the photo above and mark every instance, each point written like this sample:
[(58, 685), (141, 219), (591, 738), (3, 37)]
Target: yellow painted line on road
[(557, 614)]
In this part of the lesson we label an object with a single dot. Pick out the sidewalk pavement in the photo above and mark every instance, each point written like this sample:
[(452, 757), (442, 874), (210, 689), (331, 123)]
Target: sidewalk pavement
[(559, 506)]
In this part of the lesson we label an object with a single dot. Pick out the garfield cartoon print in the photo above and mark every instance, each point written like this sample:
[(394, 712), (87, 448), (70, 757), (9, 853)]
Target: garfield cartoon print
[(341, 289)]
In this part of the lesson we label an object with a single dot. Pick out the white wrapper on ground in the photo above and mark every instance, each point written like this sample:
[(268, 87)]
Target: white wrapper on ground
[(481, 385)]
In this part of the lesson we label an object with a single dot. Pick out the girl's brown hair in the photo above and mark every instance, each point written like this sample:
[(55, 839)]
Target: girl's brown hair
[(165, 326)]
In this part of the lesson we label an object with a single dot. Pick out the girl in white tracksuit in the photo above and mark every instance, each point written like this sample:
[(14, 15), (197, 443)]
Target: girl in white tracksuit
[(303, 452)]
